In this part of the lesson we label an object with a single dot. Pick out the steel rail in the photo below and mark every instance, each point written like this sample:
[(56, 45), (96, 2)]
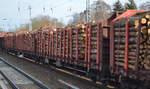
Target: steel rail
[(12, 84), (37, 82)]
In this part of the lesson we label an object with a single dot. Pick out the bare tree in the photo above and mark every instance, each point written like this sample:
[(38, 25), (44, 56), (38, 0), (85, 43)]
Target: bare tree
[(117, 6), (45, 20), (2, 30), (40, 21), (145, 6), (99, 11), (130, 5)]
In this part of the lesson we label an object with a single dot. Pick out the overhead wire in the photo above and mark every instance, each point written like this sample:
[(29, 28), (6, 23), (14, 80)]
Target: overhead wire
[(53, 7)]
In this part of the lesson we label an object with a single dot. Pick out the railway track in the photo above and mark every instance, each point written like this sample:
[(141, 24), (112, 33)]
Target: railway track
[(8, 84), (55, 78), (17, 78)]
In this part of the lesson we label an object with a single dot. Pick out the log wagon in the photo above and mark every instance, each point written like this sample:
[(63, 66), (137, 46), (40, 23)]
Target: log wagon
[(129, 55)]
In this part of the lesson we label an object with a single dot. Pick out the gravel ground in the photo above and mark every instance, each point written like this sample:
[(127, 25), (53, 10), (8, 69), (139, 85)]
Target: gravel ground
[(52, 78)]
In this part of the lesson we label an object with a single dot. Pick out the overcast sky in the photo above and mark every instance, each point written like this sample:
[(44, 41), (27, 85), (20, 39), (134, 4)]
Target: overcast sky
[(11, 16)]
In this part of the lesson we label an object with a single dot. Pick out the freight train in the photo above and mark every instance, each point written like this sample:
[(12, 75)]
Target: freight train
[(116, 53)]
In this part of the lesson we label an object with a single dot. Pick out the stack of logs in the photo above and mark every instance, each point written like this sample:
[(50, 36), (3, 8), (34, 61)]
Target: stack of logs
[(119, 45), (46, 43), (144, 57), (81, 42), (138, 44), (39, 40), (93, 44), (55, 42), (59, 43), (73, 42)]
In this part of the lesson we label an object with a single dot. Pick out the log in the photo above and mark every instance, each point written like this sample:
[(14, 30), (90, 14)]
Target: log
[(93, 50), (93, 38), (120, 63), (122, 53), (131, 67), (134, 50), (123, 33), (143, 20), (132, 57), (149, 28), (94, 31), (144, 29), (119, 29), (136, 23), (147, 66), (133, 46), (147, 16), (123, 56), (131, 62), (93, 56)]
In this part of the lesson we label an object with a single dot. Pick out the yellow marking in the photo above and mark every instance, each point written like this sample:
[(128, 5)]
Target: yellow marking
[(109, 86), (73, 74)]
